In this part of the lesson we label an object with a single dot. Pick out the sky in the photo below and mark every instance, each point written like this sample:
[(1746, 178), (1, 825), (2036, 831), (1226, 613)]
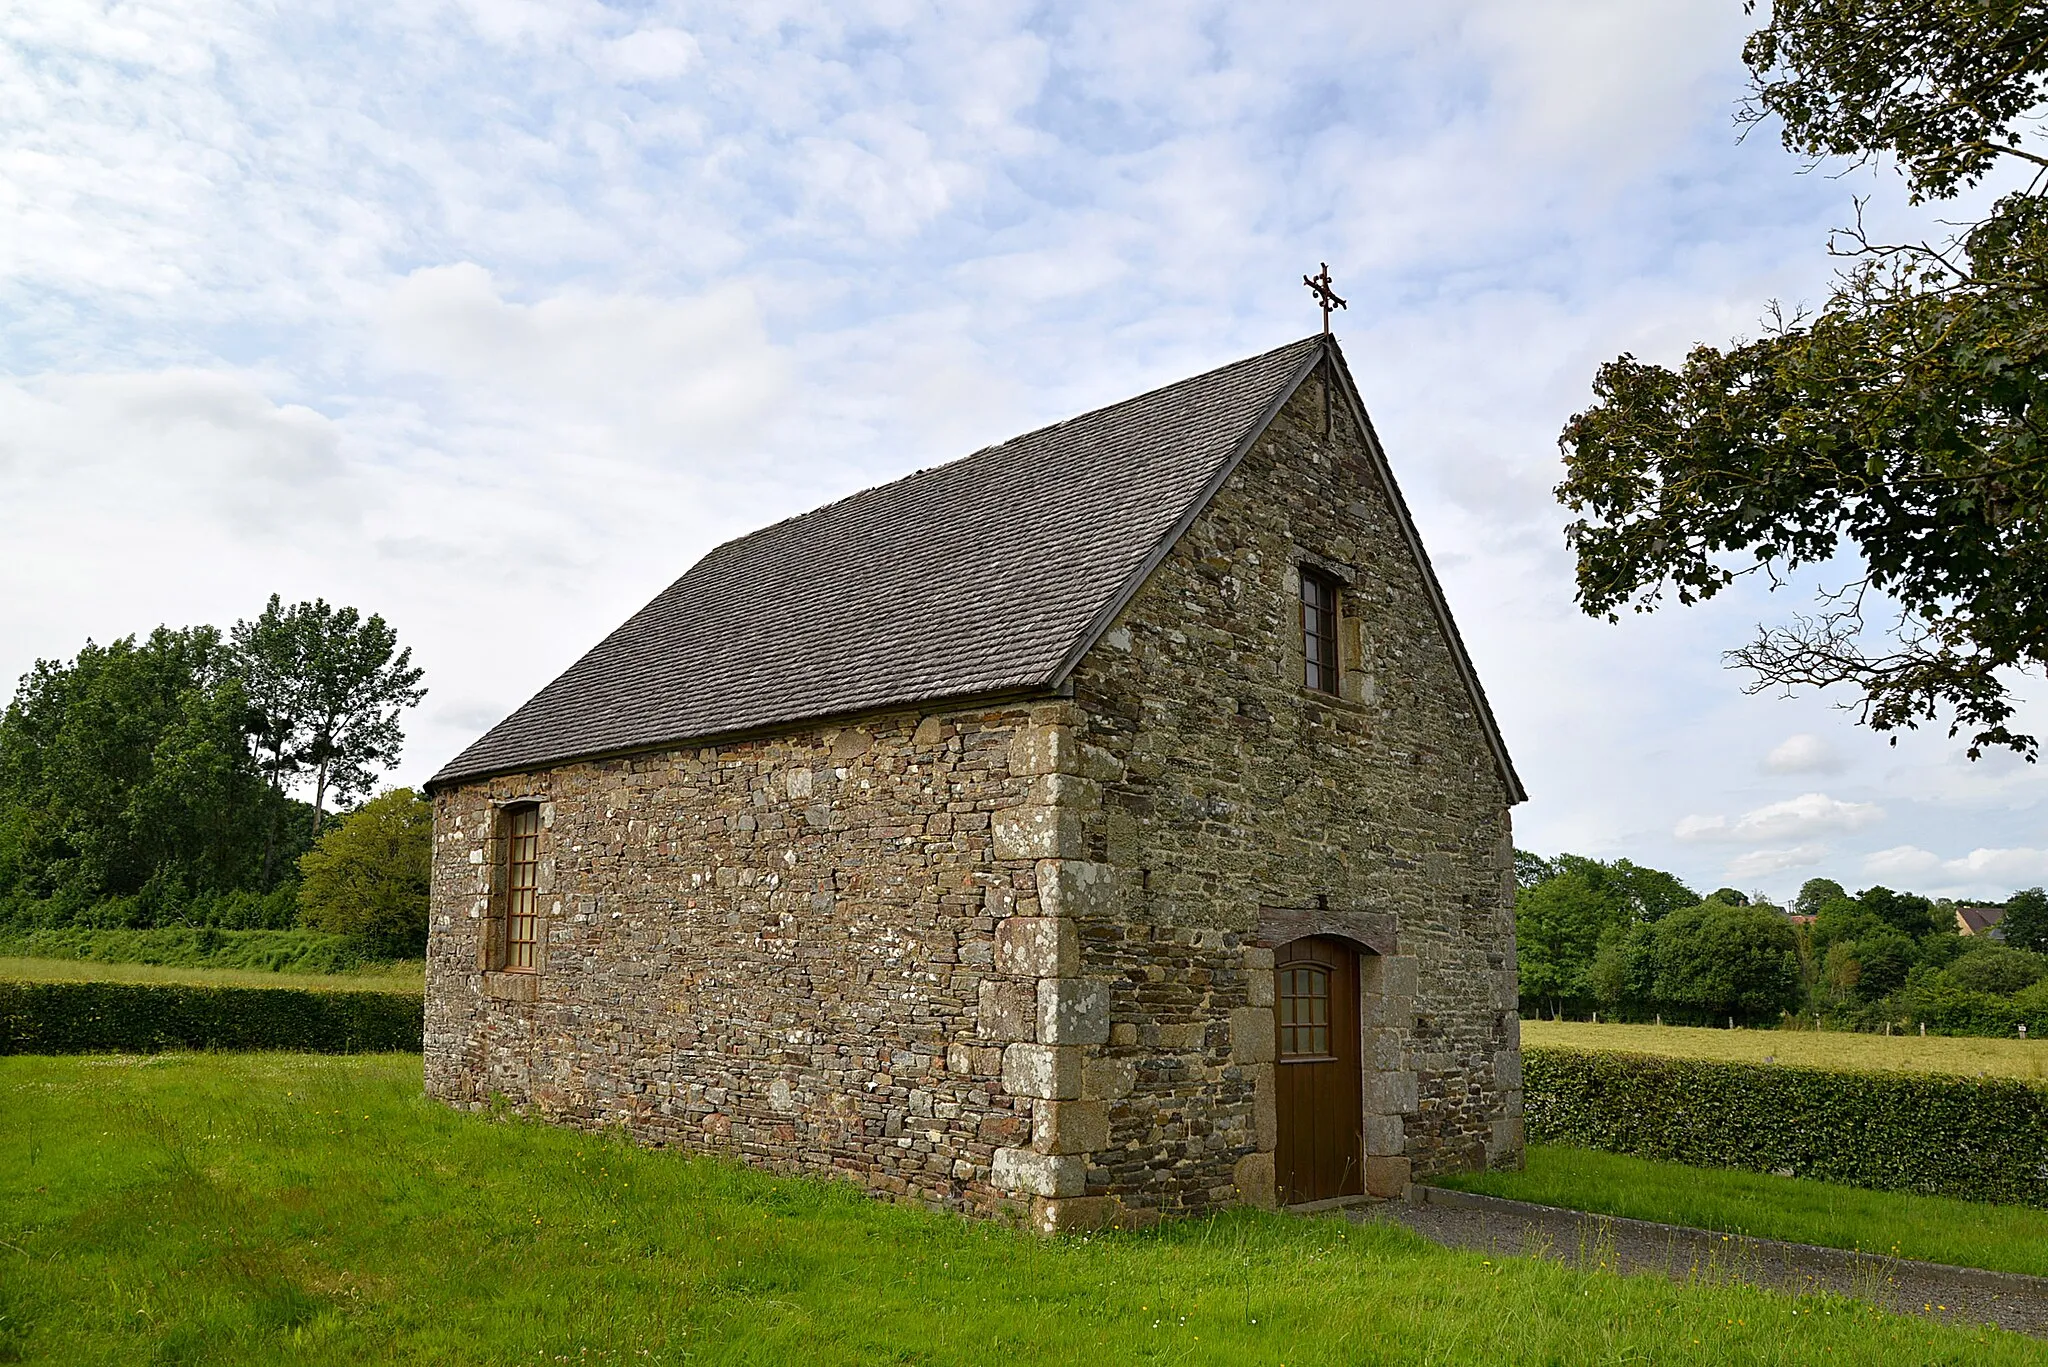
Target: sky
[(492, 316)]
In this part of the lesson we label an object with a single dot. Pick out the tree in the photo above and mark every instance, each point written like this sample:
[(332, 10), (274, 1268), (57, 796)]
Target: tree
[(1734, 960), (326, 687), (1558, 925), (1562, 920), (143, 781), (1652, 893), (1840, 921), (369, 875), (2025, 923), (1624, 972), (1636, 893), (1841, 970), (124, 772), (1906, 912), (1998, 969), (1942, 946), (1904, 426), (1816, 893), (1886, 956)]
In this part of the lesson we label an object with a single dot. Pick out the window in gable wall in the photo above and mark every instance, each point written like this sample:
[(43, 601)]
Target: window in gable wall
[(1319, 631)]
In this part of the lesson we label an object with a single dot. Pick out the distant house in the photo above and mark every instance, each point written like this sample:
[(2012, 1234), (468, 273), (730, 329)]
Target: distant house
[(1109, 822), (1979, 920)]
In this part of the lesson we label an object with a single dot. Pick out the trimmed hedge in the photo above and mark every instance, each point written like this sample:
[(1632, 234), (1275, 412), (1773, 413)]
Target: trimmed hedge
[(87, 1018), (1976, 1139)]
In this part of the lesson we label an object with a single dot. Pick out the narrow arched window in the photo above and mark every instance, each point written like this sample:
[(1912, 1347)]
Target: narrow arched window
[(1319, 631), (522, 888), (1304, 1011)]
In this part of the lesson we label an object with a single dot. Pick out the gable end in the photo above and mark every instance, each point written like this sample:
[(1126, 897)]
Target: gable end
[(1461, 660)]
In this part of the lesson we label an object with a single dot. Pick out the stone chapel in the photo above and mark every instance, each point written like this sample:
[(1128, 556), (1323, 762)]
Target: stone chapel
[(1105, 826)]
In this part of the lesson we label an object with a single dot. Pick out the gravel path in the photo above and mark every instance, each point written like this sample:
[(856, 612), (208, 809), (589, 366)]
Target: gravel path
[(1460, 1219)]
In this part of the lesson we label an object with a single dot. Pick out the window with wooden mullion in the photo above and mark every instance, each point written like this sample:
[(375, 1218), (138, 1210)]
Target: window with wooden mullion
[(1304, 1013), (522, 889), (1319, 631)]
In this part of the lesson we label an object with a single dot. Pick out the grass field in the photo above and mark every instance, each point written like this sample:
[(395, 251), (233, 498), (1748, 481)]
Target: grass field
[(2002, 1238), (286, 1208), (1968, 1057), (384, 978)]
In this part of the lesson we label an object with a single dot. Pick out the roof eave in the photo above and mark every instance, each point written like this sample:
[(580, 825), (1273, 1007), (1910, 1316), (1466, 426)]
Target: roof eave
[(952, 701)]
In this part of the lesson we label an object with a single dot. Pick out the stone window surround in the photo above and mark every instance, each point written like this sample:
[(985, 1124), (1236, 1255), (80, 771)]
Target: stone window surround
[(501, 983), (1322, 624), (1345, 575), (1354, 676)]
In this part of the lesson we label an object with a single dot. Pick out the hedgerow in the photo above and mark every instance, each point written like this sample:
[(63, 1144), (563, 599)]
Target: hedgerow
[(89, 1017), (1978, 1139), (278, 951)]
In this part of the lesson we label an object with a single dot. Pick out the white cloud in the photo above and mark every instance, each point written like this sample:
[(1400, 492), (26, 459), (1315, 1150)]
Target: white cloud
[(1616, 75), (1807, 814), (650, 54), (1903, 863), (1764, 863), (696, 373), (90, 452), (1981, 872), (1803, 753)]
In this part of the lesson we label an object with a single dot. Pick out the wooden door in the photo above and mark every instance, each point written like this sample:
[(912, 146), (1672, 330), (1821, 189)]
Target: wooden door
[(1318, 1074)]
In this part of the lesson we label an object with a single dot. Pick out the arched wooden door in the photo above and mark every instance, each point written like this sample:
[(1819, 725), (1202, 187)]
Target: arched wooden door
[(1318, 1074)]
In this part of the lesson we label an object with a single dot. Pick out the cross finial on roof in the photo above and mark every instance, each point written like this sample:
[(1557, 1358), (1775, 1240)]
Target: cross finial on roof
[(1319, 285)]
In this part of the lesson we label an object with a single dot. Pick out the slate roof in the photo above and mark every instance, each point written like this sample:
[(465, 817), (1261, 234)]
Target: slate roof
[(1973, 919), (992, 574)]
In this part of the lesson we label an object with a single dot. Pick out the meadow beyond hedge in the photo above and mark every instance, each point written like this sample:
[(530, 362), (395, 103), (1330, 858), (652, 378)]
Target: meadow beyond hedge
[(1976, 1139), (134, 1018)]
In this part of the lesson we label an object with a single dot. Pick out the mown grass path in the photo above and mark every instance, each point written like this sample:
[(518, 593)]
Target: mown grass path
[(284, 1208)]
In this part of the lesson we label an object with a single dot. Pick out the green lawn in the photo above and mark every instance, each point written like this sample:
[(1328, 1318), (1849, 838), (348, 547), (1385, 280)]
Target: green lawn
[(2002, 1238), (411, 978), (288, 1208)]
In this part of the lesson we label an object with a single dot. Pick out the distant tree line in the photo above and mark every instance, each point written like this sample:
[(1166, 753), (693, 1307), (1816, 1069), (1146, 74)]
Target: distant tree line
[(1637, 944), (163, 780)]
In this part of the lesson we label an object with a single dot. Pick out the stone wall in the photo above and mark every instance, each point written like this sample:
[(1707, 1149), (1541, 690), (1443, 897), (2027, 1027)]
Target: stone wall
[(775, 948), (1247, 809)]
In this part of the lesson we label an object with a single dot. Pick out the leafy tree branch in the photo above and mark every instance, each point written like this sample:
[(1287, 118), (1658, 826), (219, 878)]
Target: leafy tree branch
[(1905, 424)]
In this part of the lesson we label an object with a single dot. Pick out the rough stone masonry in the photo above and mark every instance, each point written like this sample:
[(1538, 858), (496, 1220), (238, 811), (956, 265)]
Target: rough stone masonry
[(1016, 953)]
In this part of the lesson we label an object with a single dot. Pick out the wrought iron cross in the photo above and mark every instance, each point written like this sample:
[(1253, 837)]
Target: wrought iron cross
[(1319, 285)]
